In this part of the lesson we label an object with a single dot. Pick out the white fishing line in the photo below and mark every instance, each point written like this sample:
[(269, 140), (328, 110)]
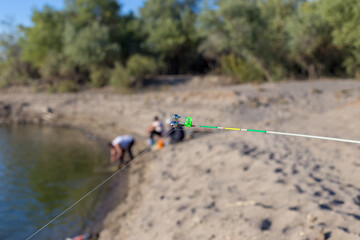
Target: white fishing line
[(316, 137), (98, 186)]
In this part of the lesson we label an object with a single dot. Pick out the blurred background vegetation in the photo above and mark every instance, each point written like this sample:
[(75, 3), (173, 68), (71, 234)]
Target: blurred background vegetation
[(90, 43)]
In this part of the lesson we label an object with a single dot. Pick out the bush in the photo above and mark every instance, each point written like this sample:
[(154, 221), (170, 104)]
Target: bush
[(141, 67), (5, 77), (50, 66), (9, 76), (120, 77), (99, 77), (67, 86), (239, 69), (50, 88), (67, 70), (56, 66)]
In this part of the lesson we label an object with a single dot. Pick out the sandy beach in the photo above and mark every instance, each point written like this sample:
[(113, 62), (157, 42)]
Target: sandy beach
[(223, 184)]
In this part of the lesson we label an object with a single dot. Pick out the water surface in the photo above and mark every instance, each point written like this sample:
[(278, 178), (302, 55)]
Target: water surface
[(43, 171)]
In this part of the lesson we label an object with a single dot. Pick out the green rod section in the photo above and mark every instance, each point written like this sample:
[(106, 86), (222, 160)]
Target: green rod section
[(208, 127), (252, 130)]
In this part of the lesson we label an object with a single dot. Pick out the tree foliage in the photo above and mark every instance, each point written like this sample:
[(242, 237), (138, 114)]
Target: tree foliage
[(13, 70), (310, 42), (344, 18), (170, 30), (45, 36), (92, 42), (89, 46), (253, 30)]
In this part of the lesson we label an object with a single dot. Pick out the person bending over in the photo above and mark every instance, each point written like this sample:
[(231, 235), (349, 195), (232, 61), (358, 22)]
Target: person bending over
[(119, 146)]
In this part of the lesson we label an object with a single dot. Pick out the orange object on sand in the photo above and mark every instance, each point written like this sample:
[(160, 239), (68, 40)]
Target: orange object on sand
[(160, 144)]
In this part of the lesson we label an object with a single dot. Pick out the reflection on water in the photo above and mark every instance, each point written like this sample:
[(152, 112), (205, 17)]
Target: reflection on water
[(43, 171)]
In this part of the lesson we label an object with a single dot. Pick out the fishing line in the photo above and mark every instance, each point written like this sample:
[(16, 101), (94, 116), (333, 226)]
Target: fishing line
[(188, 123), (98, 186)]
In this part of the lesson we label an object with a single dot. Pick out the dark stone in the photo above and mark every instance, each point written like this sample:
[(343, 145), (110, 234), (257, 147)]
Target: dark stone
[(357, 217), (316, 179), (317, 194), (344, 229), (331, 192), (357, 200), (316, 168), (264, 206), (299, 189), (327, 235), (337, 202), (325, 207), (211, 205), (322, 224), (5, 110), (285, 229), (182, 208), (247, 151), (281, 181), (265, 224), (293, 208)]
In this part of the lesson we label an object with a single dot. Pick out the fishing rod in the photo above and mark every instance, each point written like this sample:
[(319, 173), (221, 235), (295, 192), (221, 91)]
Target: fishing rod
[(187, 122)]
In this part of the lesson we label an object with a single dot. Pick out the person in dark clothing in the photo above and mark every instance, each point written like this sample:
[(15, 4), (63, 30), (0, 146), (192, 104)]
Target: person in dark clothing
[(175, 134)]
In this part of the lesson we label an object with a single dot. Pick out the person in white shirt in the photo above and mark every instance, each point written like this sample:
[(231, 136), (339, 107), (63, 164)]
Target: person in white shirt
[(156, 128), (119, 146)]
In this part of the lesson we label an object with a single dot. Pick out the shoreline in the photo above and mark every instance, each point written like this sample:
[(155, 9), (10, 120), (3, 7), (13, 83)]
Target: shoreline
[(117, 190), (114, 194), (259, 172)]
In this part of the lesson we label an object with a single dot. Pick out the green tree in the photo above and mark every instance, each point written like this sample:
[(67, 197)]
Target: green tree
[(80, 41), (253, 30), (123, 29), (89, 46), (170, 26), (130, 36), (140, 67), (310, 42), (83, 12), (91, 32), (273, 48), (13, 69), (45, 36), (344, 18)]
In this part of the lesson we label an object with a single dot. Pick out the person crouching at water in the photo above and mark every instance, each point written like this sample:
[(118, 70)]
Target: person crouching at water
[(156, 128), (119, 146)]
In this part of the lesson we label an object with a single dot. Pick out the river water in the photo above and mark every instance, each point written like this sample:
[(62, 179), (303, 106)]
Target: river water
[(43, 171)]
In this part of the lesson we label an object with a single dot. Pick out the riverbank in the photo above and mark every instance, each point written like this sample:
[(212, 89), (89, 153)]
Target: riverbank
[(224, 185)]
